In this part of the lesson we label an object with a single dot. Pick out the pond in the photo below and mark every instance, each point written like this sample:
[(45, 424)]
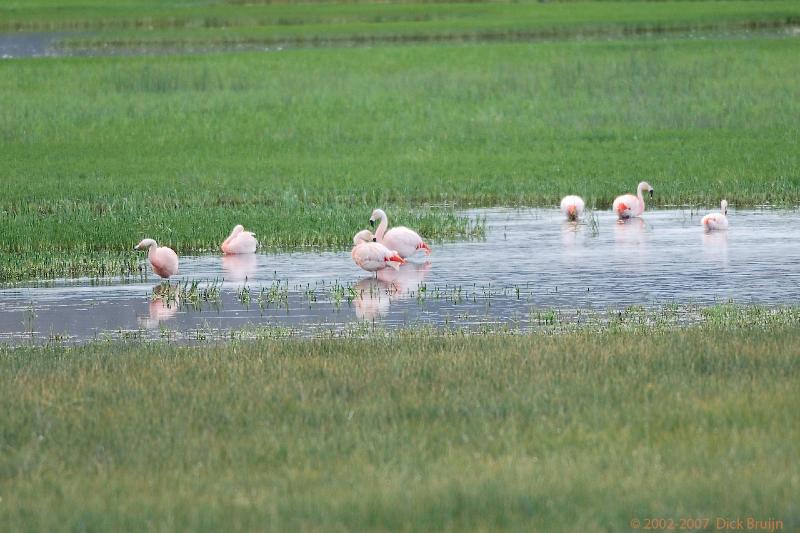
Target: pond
[(531, 261)]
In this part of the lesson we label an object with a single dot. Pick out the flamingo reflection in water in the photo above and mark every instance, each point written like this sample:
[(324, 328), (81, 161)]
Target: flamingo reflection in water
[(375, 295)]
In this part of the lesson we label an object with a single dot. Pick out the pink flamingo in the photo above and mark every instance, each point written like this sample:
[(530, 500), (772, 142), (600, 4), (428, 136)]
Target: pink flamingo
[(373, 256), (163, 260), (717, 221), (239, 242), (572, 207), (406, 241), (628, 205)]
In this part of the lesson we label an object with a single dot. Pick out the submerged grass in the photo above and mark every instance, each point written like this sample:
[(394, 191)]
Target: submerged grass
[(583, 431)]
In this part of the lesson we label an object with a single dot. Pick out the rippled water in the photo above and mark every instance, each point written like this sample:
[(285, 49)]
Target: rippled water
[(531, 260)]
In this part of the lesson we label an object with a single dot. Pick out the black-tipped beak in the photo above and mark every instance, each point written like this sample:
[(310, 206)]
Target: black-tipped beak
[(371, 223), (374, 239), (651, 192)]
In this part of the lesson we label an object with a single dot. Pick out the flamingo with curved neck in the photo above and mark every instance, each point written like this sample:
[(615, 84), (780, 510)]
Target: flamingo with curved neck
[(371, 255), (239, 242), (406, 242), (628, 205), (164, 260)]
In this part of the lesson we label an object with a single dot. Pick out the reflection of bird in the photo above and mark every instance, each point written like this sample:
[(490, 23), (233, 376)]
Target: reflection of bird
[(163, 260), (373, 298), (239, 267), (717, 221), (628, 205), (408, 278), (159, 310), (239, 242), (373, 256), (407, 242), (572, 207), (629, 231)]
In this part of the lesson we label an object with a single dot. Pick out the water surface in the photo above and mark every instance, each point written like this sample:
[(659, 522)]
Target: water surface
[(530, 261)]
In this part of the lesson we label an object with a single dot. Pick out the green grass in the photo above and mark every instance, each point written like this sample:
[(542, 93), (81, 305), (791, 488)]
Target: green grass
[(582, 431), (301, 145)]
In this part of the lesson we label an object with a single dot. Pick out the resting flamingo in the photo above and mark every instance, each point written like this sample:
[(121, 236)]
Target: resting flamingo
[(406, 241), (628, 205), (717, 221), (163, 260), (373, 256), (572, 207), (239, 242)]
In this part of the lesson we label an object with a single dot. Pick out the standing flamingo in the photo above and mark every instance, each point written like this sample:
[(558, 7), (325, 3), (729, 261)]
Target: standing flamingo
[(239, 242), (406, 241), (163, 260), (373, 256), (717, 221), (628, 205), (572, 207)]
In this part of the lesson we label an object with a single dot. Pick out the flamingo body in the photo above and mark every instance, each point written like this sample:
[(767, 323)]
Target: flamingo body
[(239, 242), (164, 260), (628, 205), (373, 256), (572, 207), (717, 221), (405, 241)]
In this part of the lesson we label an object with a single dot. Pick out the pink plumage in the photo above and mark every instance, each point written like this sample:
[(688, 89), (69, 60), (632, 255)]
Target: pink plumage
[(373, 256), (405, 241), (239, 242), (164, 260), (628, 205)]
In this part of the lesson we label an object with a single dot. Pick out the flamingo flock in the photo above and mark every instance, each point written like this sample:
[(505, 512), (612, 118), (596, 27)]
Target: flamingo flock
[(391, 248)]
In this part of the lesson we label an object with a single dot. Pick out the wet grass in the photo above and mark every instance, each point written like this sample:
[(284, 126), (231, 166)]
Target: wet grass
[(582, 431)]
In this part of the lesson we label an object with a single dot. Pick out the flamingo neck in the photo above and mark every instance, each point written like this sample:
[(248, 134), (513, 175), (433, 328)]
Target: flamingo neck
[(151, 251), (640, 195), (382, 227)]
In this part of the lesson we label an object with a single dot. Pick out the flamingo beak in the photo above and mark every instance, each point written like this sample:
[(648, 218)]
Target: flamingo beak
[(374, 239), (651, 192), (372, 223)]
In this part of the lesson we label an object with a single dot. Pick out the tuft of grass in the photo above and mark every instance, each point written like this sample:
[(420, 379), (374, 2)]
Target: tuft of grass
[(582, 431)]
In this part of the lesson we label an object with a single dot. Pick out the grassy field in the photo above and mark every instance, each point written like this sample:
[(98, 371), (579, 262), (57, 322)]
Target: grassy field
[(583, 431), (302, 145)]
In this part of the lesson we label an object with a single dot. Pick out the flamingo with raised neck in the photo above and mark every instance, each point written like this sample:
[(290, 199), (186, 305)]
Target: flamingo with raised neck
[(717, 221), (405, 241), (628, 205)]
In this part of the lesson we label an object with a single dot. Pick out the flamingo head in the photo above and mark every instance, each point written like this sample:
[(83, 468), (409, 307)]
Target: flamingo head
[(146, 243), (724, 206), (646, 187), (378, 214), (363, 236)]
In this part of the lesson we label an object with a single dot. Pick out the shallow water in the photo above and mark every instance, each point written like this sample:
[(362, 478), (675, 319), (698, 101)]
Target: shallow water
[(531, 260)]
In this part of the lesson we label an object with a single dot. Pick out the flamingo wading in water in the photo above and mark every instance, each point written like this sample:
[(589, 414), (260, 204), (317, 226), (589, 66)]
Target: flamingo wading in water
[(572, 207), (239, 242), (717, 221), (628, 205), (163, 260), (405, 241), (373, 256)]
